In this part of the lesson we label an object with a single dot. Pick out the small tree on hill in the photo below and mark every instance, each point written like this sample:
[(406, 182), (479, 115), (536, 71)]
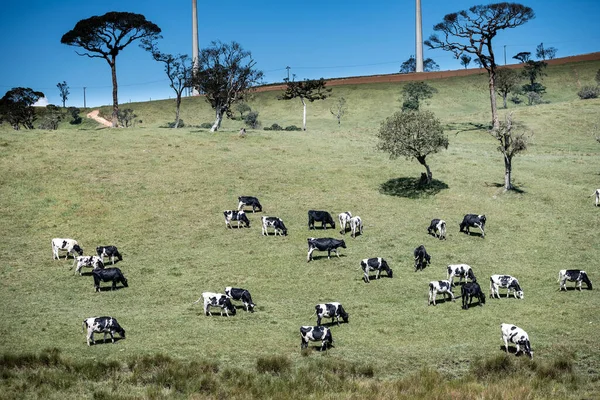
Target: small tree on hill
[(544, 53), (532, 70), (126, 117), (510, 144), (225, 75), (523, 56), (507, 81), (242, 107), (105, 36), (465, 60), (63, 88), (410, 65), (339, 110), (51, 119), (308, 89), (414, 92), (412, 134), (16, 107)]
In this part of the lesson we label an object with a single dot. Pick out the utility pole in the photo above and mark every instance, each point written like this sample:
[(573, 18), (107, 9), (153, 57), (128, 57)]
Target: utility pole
[(84, 97), (419, 50), (504, 54), (288, 70), (195, 48)]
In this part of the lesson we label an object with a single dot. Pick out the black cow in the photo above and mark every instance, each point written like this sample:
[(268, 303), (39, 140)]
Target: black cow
[(320, 216), (113, 275), (473, 220), (421, 258), (573, 275), (331, 310), (250, 202), (376, 264), (316, 333), (108, 251), (437, 225), (102, 325), (470, 290), (323, 244), (239, 216), (241, 295)]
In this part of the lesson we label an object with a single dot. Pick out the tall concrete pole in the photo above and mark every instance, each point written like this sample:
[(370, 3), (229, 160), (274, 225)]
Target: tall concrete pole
[(419, 50), (195, 48)]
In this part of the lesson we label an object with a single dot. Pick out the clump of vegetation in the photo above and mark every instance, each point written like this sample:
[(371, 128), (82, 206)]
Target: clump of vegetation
[(274, 127), (251, 120), (339, 110), (206, 125), (181, 124), (589, 92), (75, 117), (414, 92), (16, 107), (51, 118), (293, 128), (275, 365), (126, 117)]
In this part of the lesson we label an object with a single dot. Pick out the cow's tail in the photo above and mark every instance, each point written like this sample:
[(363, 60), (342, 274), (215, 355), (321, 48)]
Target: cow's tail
[(558, 277), (201, 297), (83, 326)]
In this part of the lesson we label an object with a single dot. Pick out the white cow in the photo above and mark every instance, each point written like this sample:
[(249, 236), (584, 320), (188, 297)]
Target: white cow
[(93, 262), (442, 287), (344, 219), (460, 270), (216, 300), (356, 225), (508, 282), (514, 334), (69, 245)]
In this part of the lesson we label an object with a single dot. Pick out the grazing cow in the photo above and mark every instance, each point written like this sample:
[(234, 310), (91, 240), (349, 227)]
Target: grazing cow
[(275, 223), (505, 281), (250, 202), (356, 225), (320, 216), (216, 300), (323, 244), (331, 310), (573, 275), (315, 333), (597, 194), (69, 245), (421, 258), (239, 216), (442, 287), (344, 219), (460, 270), (514, 334), (93, 262), (470, 290), (376, 264), (102, 325), (113, 275), (473, 220), (241, 295), (109, 251), (437, 225)]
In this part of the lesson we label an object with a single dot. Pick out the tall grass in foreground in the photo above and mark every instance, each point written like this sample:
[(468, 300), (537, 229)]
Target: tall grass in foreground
[(50, 375)]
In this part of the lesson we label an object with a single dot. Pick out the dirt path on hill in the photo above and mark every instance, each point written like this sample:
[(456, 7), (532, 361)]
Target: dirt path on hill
[(94, 115)]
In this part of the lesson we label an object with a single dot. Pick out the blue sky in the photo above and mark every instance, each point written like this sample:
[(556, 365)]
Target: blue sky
[(316, 38)]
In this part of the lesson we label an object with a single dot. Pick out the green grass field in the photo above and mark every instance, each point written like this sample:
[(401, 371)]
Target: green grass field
[(159, 194)]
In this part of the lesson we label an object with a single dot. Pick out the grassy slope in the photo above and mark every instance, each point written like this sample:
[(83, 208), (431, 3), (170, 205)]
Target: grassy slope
[(159, 194)]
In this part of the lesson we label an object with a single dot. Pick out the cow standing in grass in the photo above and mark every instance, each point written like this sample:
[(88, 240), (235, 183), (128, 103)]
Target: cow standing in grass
[(514, 334), (344, 219), (573, 275)]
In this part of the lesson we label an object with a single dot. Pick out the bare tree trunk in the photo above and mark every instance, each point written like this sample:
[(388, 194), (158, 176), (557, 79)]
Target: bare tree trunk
[(507, 173), (304, 114), (504, 96), (177, 106), (115, 113), (219, 118), (429, 174), (492, 78)]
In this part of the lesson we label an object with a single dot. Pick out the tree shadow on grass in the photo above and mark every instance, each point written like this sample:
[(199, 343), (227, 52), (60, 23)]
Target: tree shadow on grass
[(514, 189), (412, 188)]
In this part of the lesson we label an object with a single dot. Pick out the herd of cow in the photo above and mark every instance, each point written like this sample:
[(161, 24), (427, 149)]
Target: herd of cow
[(333, 310)]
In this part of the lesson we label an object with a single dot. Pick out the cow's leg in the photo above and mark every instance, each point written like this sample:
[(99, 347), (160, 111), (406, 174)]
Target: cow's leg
[(481, 228), (112, 336), (338, 255), (90, 336), (366, 276), (309, 256), (328, 254), (579, 285), (505, 344), (434, 295)]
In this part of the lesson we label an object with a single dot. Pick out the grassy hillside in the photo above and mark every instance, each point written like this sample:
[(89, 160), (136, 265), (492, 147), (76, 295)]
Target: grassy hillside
[(159, 195)]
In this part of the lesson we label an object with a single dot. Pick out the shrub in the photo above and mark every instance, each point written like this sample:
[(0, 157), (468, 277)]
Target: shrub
[(274, 127), (76, 118), (534, 98), (589, 92), (206, 125), (516, 99), (51, 118), (292, 128), (251, 120), (126, 117), (172, 124), (273, 365)]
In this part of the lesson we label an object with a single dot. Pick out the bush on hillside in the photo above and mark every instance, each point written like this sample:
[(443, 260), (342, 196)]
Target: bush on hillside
[(589, 92), (274, 127), (251, 120), (206, 125), (126, 117), (75, 117), (51, 118), (292, 128), (172, 124)]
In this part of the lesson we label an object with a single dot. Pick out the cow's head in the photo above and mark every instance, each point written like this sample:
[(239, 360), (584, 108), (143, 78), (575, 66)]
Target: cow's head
[(229, 305), (520, 294), (390, 272), (471, 275), (344, 314), (120, 331), (342, 244), (526, 347), (244, 219), (585, 279), (78, 249), (124, 282)]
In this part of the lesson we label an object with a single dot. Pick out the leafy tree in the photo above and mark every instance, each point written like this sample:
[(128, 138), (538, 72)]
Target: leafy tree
[(412, 134), (532, 70), (523, 56), (479, 64), (126, 117), (242, 107), (63, 88), (251, 120), (414, 92), (225, 75), (472, 31), (410, 65), (75, 117), (52, 117), (105, 36), (510, 144), (16, 107), (308, 89), (465, 60), (179, 71), (507, 81), (545, 52), (339, 110)]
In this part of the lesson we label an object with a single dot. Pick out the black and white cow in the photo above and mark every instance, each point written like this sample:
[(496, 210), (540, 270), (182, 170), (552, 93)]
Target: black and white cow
[(109, 251), (239, 216), (250, 202), (320, 216), (473, 220), (316, 333), (324, 244), (217, 300), (514, 334), (113, 275), (241, 295), (597, 194), (439, 287), (93, 262), (332, 310), (69, 245), (437, 225), (505, 281), (102, 325), (460, 270), (375, 264), (275, 223), (344, 219), (470, 290), (573, 275), (421, 258), (356, 225)]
